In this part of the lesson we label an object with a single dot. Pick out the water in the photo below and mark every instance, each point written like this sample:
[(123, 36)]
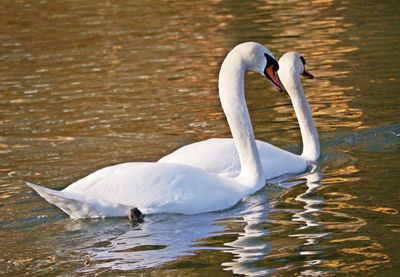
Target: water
[(86, 84)]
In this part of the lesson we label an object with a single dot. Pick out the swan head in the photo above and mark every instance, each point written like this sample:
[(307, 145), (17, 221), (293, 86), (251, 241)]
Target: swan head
[(259, 59), (293, 64)]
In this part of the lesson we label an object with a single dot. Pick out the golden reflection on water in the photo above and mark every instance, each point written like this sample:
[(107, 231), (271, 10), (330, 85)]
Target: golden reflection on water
[(89, 84), (317, 38), (332, 218), (365, 257)]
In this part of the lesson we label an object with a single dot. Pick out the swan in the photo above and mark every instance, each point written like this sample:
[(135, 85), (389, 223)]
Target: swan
[(177, 188), (219, 155)]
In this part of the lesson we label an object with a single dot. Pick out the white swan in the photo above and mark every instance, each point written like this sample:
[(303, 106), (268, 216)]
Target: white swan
[(219, 155), (177, 188)]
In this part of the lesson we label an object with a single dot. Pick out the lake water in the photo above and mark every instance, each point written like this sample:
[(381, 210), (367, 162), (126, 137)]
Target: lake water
[(87, 84)]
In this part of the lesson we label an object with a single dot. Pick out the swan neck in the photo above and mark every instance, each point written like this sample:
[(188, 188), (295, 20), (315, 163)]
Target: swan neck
[(231, 93), (309, 134)]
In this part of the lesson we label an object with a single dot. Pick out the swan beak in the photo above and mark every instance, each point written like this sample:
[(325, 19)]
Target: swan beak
[(273, 78), (307, 74)]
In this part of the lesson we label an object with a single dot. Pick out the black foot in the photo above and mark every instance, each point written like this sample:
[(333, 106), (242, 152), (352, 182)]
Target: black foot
[(135, 215)]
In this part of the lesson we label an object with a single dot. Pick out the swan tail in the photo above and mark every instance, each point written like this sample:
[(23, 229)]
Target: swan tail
[(79, 207), (68, 204)]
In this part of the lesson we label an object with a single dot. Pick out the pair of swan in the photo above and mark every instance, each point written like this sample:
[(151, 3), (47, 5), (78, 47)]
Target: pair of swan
[(219, 155), (205, 176)]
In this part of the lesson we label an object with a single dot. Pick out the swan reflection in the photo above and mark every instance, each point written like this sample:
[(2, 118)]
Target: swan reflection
[(309, 219), (312, 202), (160, 239), (250, 246), (163, 238)]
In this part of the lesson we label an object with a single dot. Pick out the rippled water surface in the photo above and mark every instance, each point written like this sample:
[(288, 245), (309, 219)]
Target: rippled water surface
[(87, 84)]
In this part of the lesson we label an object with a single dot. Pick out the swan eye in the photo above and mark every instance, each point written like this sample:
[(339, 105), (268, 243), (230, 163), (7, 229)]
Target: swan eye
[(271, 61), (303, 60)]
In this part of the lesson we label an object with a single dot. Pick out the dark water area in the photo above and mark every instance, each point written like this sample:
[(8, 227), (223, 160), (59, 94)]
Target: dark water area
[(88, 84)]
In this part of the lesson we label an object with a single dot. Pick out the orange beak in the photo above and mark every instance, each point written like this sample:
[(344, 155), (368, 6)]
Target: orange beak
[(273, 78)]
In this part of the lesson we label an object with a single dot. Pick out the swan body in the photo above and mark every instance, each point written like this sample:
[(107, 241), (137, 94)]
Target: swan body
[(219, 155), (173, 187)]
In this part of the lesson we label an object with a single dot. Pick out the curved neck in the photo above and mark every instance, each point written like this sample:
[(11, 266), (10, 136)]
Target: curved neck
[(231, 93), (309, 134)]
